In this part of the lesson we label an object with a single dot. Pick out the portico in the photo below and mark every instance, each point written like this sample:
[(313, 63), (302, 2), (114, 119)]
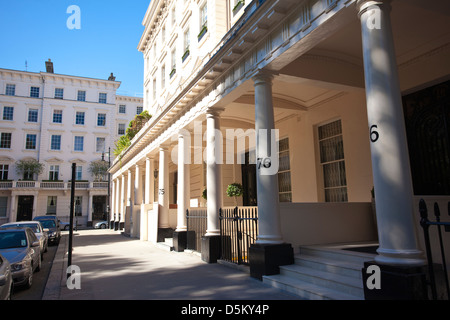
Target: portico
[(319, 78)]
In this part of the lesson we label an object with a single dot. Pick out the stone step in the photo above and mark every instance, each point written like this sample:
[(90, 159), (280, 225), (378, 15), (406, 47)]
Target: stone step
[(323, 273), (306, 290), (327, 279)]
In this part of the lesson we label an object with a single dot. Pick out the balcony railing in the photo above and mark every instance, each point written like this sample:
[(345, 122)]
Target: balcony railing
[(53, 185)]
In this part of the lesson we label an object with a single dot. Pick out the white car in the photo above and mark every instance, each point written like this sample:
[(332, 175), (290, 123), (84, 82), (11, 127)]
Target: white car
[(39, 231)]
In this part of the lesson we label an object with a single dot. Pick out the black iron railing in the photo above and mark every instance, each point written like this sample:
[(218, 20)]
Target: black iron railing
[(238, 230), (426, 223), (196, 221)]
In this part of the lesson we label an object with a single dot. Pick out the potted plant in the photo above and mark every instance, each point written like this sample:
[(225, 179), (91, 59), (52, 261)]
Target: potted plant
[(28, 168), (98, 169), (235, 190)]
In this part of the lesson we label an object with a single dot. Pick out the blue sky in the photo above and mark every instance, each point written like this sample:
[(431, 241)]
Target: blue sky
[(107, 41)]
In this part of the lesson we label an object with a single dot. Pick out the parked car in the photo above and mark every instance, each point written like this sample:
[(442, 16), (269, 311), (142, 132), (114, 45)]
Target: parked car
[(6, 281), (20, 247), (40, 232), (52, 224), (64, 225), (101, 225)]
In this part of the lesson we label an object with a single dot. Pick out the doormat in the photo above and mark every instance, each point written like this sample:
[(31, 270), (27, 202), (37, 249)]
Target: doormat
[(367, 249)]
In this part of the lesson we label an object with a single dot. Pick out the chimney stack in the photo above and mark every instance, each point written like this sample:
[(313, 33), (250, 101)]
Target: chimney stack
[(49, 66)]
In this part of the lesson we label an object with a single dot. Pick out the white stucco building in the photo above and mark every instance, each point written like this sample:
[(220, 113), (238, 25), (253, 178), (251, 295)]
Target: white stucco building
[(58, 120), (349, 88)]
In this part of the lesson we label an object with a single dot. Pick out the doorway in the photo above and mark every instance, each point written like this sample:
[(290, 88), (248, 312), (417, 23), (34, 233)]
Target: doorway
[(25, 208), (99, 205), (248, 169)]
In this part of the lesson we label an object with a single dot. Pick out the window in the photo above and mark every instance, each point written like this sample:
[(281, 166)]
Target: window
[(59, 93), (10, 90), (55, 142), (33, 115), (123, 109), (79, 173), (331, 148), (5, 140), (203, 21), (154, 89), (78, 205), (186, 45), (53, 173), (284, 172), (121, 129), (102, 97), (101, 119), (174, 62), (238, 4), (51, 205), (174, 17), (163, 77), (57, 116), (30, 143), (163, 34), (3, 206), (100, 145), (79, 117), (81, 96), (139, 110), (8, 113), (34, 92), (78, 143), (4, 168)]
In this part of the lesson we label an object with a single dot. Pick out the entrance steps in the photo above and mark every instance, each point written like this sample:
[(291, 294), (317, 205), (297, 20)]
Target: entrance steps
[(323, 273), (167, 244)]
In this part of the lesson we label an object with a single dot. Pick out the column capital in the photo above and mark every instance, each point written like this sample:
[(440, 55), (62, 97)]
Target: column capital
[(213, 112), (263, 77)]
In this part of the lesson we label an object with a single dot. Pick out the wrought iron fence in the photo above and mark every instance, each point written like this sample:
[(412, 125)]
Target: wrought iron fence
[(196, 221), (426, 223), (238, 230)]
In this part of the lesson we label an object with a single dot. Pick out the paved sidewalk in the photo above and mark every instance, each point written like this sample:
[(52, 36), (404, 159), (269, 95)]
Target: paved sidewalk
[(115, 267)]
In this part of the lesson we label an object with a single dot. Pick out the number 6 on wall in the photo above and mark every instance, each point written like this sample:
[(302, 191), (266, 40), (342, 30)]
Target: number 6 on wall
[(374, 135)]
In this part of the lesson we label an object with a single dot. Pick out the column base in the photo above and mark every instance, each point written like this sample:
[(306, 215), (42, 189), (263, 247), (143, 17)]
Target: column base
[(396, 282), (210, 248), (164, 233), (116, 225), (121, 225), (266, 259), (180, 240)]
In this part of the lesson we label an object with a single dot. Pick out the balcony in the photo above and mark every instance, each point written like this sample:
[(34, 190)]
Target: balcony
[(52, 185)]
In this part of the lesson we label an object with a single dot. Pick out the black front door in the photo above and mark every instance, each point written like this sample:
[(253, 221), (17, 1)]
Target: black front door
[(25, 208), (99, 204), (249, 198)]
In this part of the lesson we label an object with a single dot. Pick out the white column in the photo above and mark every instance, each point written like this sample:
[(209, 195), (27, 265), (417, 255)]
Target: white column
[(90, 207), (184, 158), (122, 200), (149, 181), (213, 171), (267, 169), (137, 185), (129, 188), (118, 200), (163, 192), (112, 206), (13, 210), (390, 162)]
